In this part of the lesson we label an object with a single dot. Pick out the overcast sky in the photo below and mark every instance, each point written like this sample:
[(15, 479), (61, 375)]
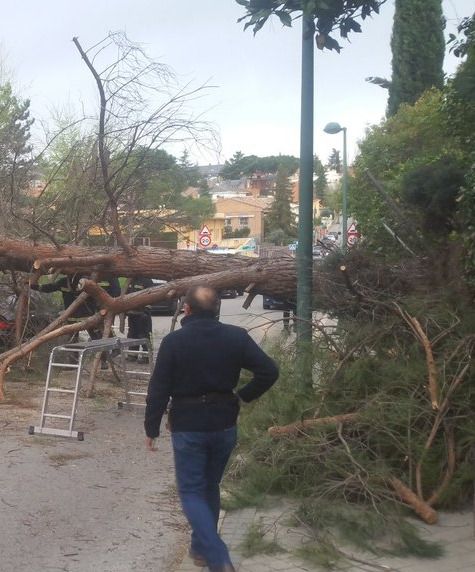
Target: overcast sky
[(256, 106)]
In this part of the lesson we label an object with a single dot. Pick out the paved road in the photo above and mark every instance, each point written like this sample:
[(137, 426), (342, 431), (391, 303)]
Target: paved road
[(260, 323)]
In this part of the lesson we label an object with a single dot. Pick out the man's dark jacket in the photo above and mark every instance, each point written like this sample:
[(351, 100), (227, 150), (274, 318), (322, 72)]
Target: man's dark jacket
[(205, 357)]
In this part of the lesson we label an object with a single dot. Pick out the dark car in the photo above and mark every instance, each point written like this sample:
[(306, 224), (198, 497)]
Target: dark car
[(269, 303), (228, 293), (167, 306), (320, 252)]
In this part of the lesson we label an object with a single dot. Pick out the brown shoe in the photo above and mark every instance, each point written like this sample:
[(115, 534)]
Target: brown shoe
[(198, 560), (224, 568)]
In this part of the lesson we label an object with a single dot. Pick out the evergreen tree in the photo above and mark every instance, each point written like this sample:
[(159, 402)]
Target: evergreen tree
[(15, 149), (203, 188), (233, 168), (15, 126), (334, 161), (190, 171), (320, 178), (280, 216), (241, 165), (418, 48)]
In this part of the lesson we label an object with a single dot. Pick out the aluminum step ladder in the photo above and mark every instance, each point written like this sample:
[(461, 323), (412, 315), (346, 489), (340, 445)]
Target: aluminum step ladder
[(135, 397), (57, 360)]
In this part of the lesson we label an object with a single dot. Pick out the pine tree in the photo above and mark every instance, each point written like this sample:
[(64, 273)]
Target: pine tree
[(15, 123), (334, 161), (280, 216), (320, 179), (418, 48), (190, 171), (15, 149)]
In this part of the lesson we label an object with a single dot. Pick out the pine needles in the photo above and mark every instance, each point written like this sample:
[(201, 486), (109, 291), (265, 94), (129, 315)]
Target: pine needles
[(375, 366)]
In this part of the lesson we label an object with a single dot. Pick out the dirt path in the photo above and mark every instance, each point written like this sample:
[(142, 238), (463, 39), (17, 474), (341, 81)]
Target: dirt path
[(101, 505)]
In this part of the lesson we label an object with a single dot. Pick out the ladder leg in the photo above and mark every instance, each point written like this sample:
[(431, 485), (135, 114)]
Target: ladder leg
[(46, 394), (76, 391)]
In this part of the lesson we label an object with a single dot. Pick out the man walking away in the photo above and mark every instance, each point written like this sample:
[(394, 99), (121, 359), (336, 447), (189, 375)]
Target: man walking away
[(198, 367)]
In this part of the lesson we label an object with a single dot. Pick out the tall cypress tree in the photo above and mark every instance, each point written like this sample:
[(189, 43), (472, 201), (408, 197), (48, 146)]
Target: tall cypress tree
[(280, 216), (418, 48)]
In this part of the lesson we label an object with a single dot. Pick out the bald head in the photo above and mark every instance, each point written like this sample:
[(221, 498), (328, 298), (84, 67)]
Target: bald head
[(202, 299)]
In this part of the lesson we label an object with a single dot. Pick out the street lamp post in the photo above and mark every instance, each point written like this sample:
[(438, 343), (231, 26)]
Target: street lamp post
[(305, 230), (332, 129)]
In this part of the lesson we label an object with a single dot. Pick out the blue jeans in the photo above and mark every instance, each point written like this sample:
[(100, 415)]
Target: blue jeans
[(200, 460)]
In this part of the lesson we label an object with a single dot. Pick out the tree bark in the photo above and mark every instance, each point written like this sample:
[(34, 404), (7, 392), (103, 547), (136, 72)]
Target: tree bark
[(274, 277), (295, 429), (427, 513), (269, 277)]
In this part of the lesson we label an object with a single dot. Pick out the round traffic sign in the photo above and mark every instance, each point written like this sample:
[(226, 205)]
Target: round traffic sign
[(352, 238), (205, 240)]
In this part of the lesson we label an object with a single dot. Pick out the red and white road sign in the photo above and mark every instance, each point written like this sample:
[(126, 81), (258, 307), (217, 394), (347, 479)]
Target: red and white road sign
[(352, 235), (204, 236), (205, 240)]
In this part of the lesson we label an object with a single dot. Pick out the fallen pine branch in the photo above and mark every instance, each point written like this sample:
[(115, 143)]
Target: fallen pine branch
[(299, 428), (422, 509)]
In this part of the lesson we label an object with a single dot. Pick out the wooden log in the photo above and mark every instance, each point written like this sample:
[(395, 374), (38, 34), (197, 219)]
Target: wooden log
[(299, 428), (421, 508)]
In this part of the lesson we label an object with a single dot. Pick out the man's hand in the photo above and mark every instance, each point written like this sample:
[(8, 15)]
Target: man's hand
[(150, 444)]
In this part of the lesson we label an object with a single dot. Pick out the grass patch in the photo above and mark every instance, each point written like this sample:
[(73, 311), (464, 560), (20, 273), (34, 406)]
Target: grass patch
[(255, 542), (321, 554), (382, 532)]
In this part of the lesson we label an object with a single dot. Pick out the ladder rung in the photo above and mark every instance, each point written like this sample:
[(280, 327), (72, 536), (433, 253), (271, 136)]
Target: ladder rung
[(137, 393), (58, 390), (137, 372), (70, 365), (56, 416), (134, 403)]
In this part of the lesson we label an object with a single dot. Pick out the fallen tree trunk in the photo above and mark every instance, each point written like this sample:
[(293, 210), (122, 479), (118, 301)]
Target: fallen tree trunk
[(259, 276), (275, 277), (299, 428), (163, 263)]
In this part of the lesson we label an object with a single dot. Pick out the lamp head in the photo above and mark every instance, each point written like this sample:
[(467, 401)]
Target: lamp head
[(333, 128)]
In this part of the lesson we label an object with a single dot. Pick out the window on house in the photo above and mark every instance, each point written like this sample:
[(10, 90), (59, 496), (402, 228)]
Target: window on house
[(243, 221), (228, 222), (141, 241)]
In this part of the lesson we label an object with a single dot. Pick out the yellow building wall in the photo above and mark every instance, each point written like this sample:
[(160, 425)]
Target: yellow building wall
[(235, 210)]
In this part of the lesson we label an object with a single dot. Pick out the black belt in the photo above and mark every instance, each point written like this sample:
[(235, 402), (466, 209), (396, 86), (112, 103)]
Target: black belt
[(212, 397)]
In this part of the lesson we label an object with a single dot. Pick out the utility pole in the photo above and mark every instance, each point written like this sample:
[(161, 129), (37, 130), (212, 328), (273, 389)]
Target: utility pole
[(305, 230)]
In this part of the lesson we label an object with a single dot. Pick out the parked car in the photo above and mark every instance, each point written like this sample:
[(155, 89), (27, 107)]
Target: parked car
[(318, 253), (167, 306), (228, 293), (269, 303)]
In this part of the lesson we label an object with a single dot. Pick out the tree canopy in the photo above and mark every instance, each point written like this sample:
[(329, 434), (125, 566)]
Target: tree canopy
[(320, 178), (327, 16), (15, 153), (241, 165), (280, 217), (334, 161), (423, 158), (418, 49)]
